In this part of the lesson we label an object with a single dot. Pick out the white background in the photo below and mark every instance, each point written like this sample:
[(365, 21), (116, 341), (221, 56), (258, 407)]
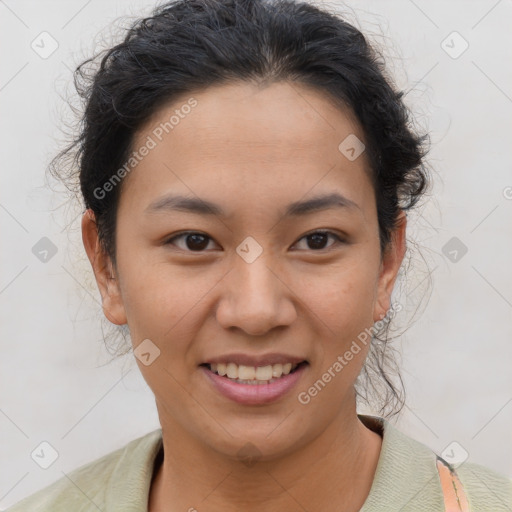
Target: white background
[(55, 385)]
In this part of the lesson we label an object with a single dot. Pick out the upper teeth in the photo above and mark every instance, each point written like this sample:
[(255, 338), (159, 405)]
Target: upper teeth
[(234, 371)]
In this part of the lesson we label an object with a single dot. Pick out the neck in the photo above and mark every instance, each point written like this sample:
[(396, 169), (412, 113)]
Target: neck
[(333, 472)]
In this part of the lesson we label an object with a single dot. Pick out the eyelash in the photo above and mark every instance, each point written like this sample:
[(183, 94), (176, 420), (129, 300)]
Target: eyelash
[(338, 239)]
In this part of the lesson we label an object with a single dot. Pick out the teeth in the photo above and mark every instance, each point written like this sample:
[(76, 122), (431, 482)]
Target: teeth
[(251, 373), (264, 372)]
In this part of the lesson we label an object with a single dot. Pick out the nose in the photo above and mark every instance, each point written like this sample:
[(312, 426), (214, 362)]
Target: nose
[(255, 297)]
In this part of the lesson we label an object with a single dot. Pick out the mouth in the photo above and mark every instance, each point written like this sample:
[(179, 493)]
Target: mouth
[(255, 385), (254, 375)]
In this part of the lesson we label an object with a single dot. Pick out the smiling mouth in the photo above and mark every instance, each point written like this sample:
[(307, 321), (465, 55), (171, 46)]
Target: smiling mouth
[(251, 374)]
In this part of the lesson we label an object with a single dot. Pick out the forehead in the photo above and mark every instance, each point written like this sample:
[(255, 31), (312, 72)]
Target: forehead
[(244, 140)]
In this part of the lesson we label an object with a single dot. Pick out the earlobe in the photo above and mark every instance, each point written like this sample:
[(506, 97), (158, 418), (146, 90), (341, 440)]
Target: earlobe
[(104, 274), (390, 266)]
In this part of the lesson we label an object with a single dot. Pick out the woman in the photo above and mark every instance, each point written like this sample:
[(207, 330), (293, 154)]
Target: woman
[(246, 169)]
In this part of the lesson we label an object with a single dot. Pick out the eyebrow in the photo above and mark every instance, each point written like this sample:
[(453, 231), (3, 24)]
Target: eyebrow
[(204, 207)]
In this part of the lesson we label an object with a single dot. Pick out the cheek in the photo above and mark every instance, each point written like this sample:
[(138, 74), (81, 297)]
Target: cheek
[(342, 298), (164, 303)]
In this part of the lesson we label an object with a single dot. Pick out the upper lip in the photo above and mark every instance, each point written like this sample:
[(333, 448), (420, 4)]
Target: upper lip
[(255, 360)]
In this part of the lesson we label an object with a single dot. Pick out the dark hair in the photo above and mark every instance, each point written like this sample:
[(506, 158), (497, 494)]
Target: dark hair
[(190, 45)]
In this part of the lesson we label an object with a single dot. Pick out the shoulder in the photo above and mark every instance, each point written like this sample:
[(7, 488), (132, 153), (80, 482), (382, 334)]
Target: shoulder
[(486, 489), (79, 486), (91, 486), (407, 478)]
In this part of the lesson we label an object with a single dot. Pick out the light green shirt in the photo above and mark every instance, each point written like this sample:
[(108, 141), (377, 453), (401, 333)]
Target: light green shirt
[(406, 480)]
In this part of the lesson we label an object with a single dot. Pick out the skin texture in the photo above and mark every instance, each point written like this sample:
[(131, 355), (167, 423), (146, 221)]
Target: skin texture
[(252, 150)]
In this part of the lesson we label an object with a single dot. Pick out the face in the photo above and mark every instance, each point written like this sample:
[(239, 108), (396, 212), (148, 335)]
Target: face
[(253, 275)]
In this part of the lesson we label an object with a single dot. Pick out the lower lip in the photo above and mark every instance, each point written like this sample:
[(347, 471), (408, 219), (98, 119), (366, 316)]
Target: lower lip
[(253, 394)]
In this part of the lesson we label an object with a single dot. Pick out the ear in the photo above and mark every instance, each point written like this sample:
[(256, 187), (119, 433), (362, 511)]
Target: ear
[(390, 265), (108, 284)]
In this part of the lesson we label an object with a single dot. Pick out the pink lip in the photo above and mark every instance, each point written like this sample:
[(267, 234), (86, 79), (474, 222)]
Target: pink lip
[(254, 394)]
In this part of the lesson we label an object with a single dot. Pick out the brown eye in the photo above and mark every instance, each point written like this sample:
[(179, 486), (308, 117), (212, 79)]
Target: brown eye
[(318, 239), (197, 242), (194, 241)]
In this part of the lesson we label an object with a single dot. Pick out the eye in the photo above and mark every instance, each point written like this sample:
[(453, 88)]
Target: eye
[(194, 241), (197, 242), (317, 239)]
